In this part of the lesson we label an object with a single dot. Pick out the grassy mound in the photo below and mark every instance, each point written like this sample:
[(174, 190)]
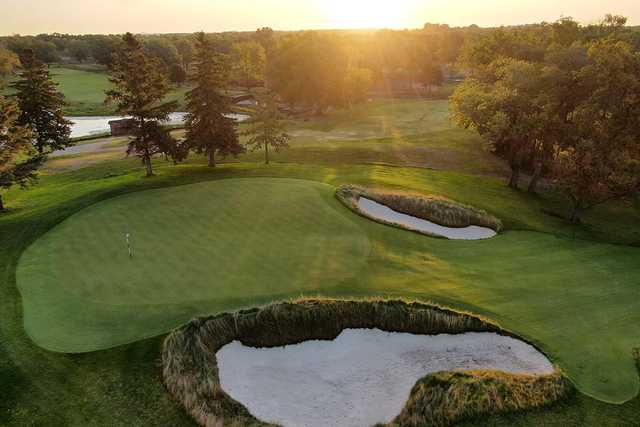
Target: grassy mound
[(438, 210), (446, 398), (189, 354)]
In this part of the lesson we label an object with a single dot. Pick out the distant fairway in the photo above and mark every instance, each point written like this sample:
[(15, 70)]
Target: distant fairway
[(84, 91)]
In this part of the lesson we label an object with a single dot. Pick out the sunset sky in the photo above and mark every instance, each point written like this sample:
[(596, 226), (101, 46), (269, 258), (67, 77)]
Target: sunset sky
[(164, 16)]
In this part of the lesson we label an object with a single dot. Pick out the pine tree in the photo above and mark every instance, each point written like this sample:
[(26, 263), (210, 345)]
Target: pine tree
[(266, 128), (209, 128), (139, 88), (41, 105), (19, 160)]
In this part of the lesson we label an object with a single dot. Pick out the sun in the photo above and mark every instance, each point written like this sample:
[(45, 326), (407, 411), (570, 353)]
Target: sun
[(369, 13)]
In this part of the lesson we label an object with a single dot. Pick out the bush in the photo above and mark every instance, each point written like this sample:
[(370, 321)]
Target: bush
[(189, 362)]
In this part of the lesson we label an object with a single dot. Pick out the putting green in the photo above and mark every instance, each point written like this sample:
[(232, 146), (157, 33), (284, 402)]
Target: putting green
[(220, 241)]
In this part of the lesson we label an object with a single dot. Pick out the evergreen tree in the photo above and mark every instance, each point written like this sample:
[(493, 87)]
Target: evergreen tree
[(19, 161), (41, 105), (209, 129), (139, 88), (266, 128)]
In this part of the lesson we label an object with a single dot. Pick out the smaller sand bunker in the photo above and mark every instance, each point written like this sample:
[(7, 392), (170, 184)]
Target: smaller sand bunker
[(386, 214), (361, 378)]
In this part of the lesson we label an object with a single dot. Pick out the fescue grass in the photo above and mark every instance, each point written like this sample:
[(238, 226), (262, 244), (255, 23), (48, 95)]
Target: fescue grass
[(446, 398), (435, 209), (191, 375)]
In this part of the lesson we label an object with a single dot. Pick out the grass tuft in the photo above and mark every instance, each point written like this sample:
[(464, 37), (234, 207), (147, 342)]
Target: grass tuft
[(446, 398)]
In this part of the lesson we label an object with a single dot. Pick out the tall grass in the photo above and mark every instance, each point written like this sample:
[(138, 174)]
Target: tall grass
[(438, 210), (446, 398), (190, 369)]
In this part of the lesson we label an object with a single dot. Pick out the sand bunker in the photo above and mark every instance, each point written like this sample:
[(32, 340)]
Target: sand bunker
[(361, 378), (386, 214)]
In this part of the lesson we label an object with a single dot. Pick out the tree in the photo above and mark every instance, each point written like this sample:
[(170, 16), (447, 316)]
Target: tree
[(103, 48), (601, 159), (41, 105), (499, 114), (431, 74), (249, 61), (209, 128), (79, 50), (9, 62), (357, 85), (139, 88), (185, 49), (164, 50), (177, 74), (266, 128), (310, 69), (18, 159)]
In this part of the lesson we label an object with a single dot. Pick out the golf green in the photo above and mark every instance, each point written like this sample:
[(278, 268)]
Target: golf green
[(218, 241)]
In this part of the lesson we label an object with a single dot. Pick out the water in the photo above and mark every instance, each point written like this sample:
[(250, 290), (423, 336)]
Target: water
[(95, 125)]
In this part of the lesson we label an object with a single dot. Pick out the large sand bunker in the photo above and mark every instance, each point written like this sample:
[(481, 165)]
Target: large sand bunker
[(361, 378)]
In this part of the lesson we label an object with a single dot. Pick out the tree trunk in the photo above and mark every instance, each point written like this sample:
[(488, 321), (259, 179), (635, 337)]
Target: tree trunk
[(1, 204), (211, 154), (535, 179), (266, 153), (147, 164), (576, 213), (515, 178)]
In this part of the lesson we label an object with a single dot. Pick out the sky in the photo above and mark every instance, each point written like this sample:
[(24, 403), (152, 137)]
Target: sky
[(180, 16)]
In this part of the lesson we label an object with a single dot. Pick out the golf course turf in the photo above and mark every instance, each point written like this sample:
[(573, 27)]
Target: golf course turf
[(571, 290), (235, 243)]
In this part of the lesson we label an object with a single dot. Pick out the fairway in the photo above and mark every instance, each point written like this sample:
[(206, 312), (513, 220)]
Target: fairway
[(84, 91)]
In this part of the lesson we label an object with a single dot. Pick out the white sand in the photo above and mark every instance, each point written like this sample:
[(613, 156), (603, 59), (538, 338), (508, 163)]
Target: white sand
[(387, 214), (361, 378)]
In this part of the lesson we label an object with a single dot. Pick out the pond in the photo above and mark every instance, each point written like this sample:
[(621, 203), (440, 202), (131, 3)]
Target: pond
[(361, 378), (95, 125)]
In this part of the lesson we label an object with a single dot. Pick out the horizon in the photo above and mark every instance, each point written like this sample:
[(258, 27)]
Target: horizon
[(173, 17)]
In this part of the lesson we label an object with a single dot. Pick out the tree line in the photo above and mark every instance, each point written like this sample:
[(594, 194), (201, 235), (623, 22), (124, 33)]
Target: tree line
[(32, 122), (559, 102), (359, 57)]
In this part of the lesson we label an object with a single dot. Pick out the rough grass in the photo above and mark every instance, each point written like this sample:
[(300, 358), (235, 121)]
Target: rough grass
[(446, 398), (435, 209), (190, 367)]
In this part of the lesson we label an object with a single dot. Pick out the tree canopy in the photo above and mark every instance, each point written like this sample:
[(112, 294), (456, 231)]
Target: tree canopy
[(139, 88)]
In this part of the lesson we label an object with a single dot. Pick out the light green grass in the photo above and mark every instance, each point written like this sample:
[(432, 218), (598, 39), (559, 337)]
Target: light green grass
[(84, 91)]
